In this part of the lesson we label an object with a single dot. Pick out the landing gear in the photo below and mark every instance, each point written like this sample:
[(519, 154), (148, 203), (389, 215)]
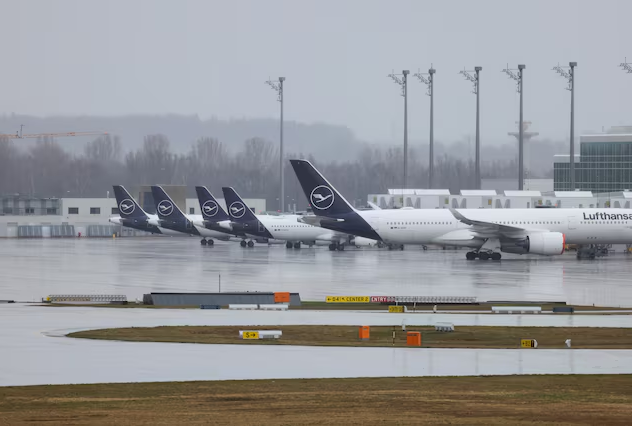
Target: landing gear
[(243, 243), (336, 246), (297, 245), (483, 255), (288, 245), (592, 251), (251, 244), (203, 242)]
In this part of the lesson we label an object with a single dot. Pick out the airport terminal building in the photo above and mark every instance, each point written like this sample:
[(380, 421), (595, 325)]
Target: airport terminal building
[(26, 217), (604, 163)]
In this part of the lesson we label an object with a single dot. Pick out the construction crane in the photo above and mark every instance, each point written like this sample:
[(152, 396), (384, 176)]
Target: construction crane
[(20, 135)]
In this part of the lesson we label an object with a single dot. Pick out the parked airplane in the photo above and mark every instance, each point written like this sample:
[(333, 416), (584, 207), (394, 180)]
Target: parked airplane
[(171, 217), (285, 228), (214, 217), (131, 215), (486, 231)]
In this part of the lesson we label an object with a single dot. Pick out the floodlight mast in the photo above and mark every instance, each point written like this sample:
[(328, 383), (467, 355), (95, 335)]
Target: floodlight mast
[(570, 76), (476, 80), (278, 87), (626, 66), (428, 80), (519, 80), (403, 82)]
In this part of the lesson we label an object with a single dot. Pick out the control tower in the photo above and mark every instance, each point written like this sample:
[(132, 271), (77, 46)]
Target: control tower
[(526, 137)]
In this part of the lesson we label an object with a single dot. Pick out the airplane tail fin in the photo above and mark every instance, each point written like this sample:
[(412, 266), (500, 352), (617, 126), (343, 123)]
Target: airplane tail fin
[(127, 206), (211, 210), (237, 209), (165, 207), (321, 195)]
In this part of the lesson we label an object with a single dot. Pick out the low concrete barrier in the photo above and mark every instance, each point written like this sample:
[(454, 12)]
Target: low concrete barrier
[(516, 309), (275, 307), (244, 307)]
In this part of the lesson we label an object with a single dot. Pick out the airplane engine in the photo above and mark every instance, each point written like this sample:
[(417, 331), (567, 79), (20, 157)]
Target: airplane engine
[(362, 242), (545, 243)]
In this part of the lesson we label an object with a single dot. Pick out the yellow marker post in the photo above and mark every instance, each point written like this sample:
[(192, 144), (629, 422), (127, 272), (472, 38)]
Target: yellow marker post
[(250, 335)]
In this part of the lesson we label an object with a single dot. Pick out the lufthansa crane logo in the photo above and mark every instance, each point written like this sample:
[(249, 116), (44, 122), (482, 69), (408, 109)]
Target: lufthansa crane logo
[(127, 207), (237, 209), (165, 207), (322, 197), (209, 208)]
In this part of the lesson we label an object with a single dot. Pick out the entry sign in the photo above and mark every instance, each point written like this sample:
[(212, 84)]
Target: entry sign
[(250, 334), (529, 343)]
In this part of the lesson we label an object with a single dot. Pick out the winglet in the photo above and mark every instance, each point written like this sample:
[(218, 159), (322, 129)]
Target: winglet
[(460, 217)]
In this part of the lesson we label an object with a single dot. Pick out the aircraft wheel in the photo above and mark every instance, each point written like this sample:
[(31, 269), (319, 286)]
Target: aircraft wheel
[(297, 245), (401, 247), (203, 242), (210, 242), (288, 245), (332, 247), (251, 244), (496, 256), (483, 256), (470, 255), (341, 247), (242, 243)]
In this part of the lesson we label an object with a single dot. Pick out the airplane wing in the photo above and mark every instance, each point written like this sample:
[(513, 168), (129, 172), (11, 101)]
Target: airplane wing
[(493, 230)]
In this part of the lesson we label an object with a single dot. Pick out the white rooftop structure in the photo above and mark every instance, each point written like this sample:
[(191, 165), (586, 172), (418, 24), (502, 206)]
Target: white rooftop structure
[(573, 194), (607, 137), (478, 192), (419, 192), (522, 193)]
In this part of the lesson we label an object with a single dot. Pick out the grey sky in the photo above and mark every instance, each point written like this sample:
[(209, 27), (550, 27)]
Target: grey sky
[(211, 58)]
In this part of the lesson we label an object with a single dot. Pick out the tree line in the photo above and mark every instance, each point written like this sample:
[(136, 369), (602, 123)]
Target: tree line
[(45, 169)]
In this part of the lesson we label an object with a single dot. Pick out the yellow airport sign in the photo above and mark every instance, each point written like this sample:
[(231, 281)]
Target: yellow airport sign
[(348, 299), (528, 343), (399, 309), (250, 334)]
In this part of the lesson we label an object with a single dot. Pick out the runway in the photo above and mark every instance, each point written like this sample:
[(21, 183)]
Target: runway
[(33, 269), (30, 356)]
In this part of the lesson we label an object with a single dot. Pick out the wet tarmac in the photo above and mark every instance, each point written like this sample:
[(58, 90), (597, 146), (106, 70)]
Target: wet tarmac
[(33, 269), (31, 355)]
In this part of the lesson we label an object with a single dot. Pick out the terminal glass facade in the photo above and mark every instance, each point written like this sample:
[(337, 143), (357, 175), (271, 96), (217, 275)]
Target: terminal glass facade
[(602, 167)]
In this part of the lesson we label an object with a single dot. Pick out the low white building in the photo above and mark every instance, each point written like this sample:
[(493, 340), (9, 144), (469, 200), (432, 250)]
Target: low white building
[(72, 217)]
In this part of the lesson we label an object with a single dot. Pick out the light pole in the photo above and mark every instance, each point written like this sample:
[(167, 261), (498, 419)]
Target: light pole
[(278, 87), (428, 79), (476, 80), (403, 82), (518, 79), (570, 76), (626, 66)]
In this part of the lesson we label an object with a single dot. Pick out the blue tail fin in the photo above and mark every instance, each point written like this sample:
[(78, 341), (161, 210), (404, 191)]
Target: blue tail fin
[(127, 206), (165, 207), (211, 210), (321, 195), (237, 209)]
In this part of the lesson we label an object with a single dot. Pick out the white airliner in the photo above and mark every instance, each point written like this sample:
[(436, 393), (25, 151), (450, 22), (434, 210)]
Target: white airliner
[(486, 231), (285, 228)]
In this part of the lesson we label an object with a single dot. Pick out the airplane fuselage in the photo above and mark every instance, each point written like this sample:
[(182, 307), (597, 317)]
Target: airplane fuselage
[(439, 226)]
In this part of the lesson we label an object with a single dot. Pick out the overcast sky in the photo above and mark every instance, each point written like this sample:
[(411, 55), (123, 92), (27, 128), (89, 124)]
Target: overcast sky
[(211, 58)]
